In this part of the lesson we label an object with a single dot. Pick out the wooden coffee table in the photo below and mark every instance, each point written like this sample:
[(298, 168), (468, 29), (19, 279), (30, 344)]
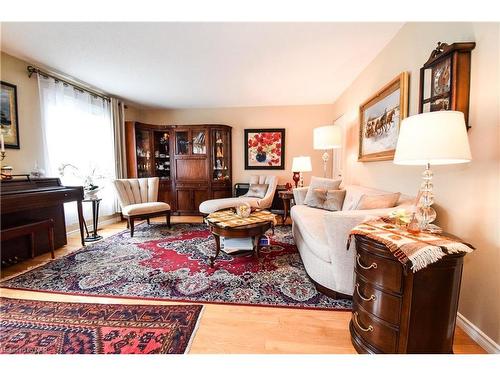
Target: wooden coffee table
[(256, 231)]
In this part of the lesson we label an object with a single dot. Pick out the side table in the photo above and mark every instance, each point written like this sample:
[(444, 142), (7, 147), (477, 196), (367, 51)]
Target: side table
[(95, 220), (286, 196)]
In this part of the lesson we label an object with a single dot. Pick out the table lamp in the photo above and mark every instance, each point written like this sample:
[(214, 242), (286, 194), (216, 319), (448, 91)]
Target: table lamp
[(326, 138), (300, 164), (436, 138)]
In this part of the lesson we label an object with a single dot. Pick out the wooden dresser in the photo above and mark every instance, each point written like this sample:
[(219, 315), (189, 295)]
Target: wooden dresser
[(398, 311)]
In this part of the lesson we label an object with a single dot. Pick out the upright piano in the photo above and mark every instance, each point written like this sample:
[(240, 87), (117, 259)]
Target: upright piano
[(27, 200)]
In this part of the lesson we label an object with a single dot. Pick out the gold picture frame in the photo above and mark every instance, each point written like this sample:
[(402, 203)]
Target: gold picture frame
[(379, 120)]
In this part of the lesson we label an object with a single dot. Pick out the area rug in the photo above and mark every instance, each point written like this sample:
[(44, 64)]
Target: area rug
[(39, 327), (172, 264)]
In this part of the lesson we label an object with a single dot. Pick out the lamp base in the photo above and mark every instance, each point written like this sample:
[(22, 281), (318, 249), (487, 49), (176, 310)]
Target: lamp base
[(325, 158), (296, 178), (425, 213)]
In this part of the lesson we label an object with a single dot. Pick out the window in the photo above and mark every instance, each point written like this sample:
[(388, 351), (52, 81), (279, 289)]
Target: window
[(78, 133)]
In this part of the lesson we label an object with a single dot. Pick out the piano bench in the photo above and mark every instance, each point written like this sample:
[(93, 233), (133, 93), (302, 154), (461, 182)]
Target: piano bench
[(30, 229)]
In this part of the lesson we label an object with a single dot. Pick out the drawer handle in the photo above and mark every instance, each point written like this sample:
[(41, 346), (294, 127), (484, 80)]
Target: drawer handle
[(369, 329), (373, 265), (371, 298)]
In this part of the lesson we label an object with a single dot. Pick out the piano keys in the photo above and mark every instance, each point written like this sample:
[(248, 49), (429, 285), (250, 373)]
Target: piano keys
[(23, 201)]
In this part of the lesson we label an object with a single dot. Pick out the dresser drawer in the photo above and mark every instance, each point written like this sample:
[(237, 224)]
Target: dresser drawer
[(383, 305), (374, 332), (386, 273)]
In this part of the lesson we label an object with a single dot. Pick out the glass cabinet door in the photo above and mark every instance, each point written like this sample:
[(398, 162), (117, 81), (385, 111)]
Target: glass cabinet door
[(199, 142), (182, 142), (220, 155), (162, 154), (143, 153)]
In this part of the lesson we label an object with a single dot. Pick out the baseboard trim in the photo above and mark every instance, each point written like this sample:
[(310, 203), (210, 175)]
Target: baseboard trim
[(111, 220), (477, 335)]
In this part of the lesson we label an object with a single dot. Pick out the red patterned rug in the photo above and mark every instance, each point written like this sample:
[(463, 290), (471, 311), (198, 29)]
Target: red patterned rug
[(39, 327), (158, 263)]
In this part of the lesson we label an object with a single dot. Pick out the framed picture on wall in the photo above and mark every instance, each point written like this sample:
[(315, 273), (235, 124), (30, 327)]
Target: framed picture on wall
[(264, 148), (379, 120), (8, 115)]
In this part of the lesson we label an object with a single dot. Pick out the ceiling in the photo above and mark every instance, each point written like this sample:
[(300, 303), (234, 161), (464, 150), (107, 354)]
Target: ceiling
[(182, 65)]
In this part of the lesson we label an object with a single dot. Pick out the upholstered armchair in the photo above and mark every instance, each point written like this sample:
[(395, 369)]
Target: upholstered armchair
[(138, 199), (213, 205)]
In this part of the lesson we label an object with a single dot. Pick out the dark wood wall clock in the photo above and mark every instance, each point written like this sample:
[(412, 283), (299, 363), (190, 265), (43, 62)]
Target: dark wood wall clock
[(445, 79)]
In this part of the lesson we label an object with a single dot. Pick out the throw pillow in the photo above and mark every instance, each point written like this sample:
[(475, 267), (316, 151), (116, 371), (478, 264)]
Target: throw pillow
[(330, 200), (319, 183), (257, 190), (370, 202)]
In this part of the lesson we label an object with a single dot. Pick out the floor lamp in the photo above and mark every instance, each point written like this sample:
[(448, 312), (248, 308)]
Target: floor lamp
[(436, 138), (326, 138)]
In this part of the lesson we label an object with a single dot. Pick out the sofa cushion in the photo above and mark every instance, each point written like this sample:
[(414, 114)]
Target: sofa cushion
[(370, 202), (311, 224), (319, 183), (354, 194), (212, 205), (145, 208), (257, 190), (331, 200)]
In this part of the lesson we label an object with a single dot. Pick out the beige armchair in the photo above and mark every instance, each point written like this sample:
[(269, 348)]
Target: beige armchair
[(138, 199), (213, 205)]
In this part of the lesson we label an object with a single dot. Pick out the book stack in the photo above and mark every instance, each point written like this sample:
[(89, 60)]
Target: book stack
[(236, 245)]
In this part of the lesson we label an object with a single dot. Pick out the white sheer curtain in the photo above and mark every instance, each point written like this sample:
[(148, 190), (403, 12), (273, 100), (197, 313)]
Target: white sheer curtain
[(77, 130)]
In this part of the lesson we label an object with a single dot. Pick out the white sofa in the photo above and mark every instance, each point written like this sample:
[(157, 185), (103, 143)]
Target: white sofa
[(321, 237), (212, 205)]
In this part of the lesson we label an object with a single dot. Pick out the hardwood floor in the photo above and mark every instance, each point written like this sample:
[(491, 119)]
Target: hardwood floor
[(238, 329)]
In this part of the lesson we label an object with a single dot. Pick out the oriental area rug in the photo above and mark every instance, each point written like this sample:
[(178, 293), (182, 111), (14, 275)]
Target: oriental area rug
[(172, 264), (39, 327)]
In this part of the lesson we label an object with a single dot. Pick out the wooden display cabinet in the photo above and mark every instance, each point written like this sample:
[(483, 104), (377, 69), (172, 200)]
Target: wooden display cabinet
[(192, 161)]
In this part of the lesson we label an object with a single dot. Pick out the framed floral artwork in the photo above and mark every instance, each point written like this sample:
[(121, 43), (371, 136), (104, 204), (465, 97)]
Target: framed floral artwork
[(8, 115), (379, 119), (264, 148)]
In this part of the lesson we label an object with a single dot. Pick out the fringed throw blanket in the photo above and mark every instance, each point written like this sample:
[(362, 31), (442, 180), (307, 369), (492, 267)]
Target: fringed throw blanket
[(418, 250)]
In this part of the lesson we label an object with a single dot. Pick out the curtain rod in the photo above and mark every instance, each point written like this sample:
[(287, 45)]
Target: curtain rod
[(34, 70)]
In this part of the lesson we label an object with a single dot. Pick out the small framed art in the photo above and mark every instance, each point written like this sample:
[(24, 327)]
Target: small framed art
[(8, 115)]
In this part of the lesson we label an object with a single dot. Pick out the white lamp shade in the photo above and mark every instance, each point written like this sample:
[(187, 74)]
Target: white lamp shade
[(433, 137), (327, 137), (301, 164)]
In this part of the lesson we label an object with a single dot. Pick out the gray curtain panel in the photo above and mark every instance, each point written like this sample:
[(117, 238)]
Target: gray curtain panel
[(118, 118)]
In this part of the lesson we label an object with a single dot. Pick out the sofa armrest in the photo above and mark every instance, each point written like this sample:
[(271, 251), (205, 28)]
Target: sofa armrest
[(299, 194), (338, 225)]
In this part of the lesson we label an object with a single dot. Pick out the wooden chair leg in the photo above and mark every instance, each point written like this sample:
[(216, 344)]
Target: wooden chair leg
[(51, 242), (128, 224), (131, 224), (168, 220), (32, 235), (148, 221)]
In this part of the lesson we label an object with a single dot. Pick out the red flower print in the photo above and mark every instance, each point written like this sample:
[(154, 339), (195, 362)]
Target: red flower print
[(259, 148)]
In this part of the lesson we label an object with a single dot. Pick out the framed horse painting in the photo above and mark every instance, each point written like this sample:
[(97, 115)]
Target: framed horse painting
[(379, 120)]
